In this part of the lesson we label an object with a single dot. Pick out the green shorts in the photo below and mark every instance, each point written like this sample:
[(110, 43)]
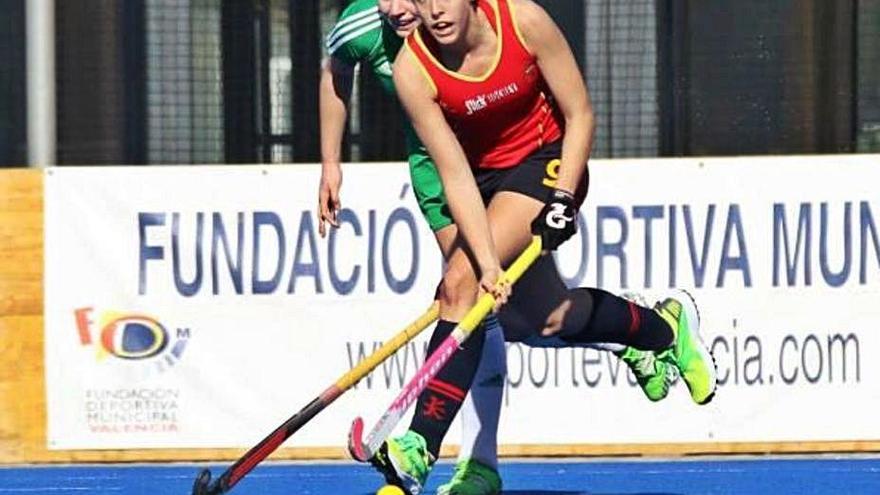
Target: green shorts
[(429, 190)]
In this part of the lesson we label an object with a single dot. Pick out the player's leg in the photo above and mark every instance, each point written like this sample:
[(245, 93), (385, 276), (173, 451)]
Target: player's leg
[(407, 453), (687, 356), (654, 376), (482, 406), (406, 460), (670, 329), (528, 310), (507, 210), (476, 469), (432, 201), (409, 457), (592, 315), (581, 315), (478, 456), (667, 335)]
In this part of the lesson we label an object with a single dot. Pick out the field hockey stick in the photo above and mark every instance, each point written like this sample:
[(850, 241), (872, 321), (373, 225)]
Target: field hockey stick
[(203, 484), (364, 451)]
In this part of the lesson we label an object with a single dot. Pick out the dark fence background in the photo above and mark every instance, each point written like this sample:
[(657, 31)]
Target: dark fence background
[(13, 88), (208, 81)]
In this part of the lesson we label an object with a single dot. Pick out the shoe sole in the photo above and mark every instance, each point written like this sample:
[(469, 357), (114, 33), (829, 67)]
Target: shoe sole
[(689, 305)]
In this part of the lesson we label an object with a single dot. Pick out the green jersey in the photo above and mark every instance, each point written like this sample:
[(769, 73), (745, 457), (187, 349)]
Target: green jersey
[(361, 36)]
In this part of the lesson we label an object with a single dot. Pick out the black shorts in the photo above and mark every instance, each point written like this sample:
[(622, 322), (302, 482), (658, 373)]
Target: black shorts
[(535, 177)]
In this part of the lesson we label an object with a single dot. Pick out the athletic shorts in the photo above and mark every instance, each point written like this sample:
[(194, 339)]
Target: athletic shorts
[(535, 177)]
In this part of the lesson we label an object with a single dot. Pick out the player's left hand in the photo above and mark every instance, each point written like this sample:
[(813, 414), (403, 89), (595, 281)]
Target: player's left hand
[(328, 198), (557, 221)]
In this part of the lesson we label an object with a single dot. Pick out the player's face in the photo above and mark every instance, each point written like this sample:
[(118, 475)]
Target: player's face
[(401, 14), (446, 20)]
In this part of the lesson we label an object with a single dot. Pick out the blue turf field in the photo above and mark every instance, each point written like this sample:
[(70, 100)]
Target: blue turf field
[(759, 476)]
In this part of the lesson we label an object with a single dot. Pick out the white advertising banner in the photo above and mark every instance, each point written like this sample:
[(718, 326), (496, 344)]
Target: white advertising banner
[(200, 307)]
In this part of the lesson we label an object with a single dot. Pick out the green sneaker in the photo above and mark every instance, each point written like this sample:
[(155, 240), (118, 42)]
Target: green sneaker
[(472, 477), (688, 353), (653, 375), (405, 462)]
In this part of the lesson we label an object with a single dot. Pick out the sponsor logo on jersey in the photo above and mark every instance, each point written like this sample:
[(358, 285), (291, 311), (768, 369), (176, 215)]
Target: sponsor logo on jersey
[(482, 101)]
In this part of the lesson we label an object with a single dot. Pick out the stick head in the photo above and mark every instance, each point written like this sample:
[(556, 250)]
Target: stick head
[(356, 447), (201, 486)]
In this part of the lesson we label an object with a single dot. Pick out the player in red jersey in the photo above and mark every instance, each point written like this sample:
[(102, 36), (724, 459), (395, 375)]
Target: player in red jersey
[(495, 95), (371, 33)]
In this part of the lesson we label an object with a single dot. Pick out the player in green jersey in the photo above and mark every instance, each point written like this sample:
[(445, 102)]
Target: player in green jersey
[(370, 34)]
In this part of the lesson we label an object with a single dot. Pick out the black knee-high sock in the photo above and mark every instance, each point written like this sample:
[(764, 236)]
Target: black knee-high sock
[(614, 319), (441, 400)]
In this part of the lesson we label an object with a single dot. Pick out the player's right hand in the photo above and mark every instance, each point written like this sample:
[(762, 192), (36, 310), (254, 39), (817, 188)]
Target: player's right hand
[(492, 283), (328, 198)]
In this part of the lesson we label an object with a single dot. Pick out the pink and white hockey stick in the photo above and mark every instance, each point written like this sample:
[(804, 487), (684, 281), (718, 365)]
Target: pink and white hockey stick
[(364, 450)]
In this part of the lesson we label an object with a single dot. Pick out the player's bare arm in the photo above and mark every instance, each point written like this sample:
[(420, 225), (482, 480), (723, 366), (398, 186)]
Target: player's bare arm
[(337, 79), (418, 98), (557, 64)]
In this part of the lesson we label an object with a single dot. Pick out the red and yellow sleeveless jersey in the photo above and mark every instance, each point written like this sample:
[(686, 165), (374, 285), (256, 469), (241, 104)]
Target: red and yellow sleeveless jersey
[(504, 115)]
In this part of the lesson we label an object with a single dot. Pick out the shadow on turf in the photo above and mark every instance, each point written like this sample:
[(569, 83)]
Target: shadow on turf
[(568, 492)]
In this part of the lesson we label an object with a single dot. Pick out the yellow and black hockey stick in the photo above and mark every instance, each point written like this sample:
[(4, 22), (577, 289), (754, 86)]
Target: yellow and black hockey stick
[(203, 484)]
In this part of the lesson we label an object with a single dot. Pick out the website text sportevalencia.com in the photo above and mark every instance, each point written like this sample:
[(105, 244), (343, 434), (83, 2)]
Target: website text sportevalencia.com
[(742, 360)]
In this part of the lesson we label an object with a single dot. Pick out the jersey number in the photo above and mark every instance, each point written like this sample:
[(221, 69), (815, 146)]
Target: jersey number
[(552, 171)]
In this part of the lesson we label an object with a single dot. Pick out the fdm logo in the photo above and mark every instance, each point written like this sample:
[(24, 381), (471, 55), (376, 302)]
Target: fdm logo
[(131, 337)]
